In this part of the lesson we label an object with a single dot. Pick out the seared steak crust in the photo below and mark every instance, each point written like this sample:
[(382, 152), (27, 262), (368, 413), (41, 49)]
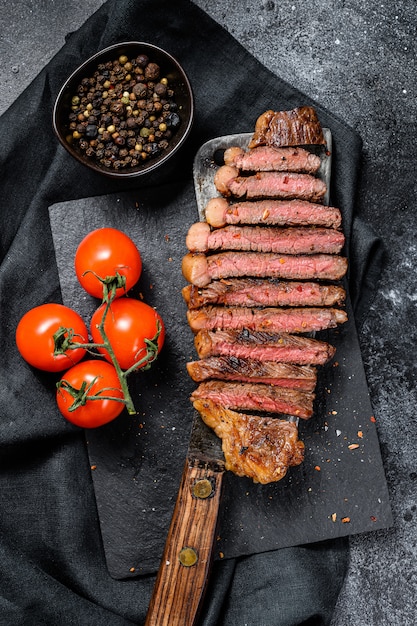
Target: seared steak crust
[(251, 370), (256, 397), (220, 212), (263, 292), (263, 346), (200, 270), (297, 127), (284, 185), (302, 240), (292, 320), (268, 159), (261, 448)]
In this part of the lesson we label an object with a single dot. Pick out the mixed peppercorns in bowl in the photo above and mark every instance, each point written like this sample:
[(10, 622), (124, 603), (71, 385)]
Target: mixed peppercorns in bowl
[(126, 110)]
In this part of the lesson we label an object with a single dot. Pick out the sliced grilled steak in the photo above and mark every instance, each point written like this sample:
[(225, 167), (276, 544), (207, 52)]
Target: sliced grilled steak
[(263, 292), (293, 320), (297, 127), (220, 212), (268, 159), (256, 397), (263, 346), (249, 370), (262, 448), (199, 269), (200, 238), (284, 185)]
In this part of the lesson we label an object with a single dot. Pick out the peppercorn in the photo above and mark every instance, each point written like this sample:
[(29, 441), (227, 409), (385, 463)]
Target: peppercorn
[(128, 108)]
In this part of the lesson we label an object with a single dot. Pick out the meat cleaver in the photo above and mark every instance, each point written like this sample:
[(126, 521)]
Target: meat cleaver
[(184, 570)]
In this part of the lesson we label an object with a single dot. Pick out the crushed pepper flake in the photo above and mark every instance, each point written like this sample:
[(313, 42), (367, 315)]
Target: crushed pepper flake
[(93, 467), (360, 434), (373, 518), (317, 468), (345, 520), (372, 418), (353, 446), (167, 238), (131, 570)]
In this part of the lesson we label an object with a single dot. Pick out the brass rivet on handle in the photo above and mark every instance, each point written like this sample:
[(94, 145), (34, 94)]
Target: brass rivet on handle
[(188, 557), (202, 489)]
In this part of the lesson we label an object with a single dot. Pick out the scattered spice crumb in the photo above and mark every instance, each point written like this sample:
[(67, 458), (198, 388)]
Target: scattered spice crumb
[(131, 570), (345, 520), (141, 297), (318, 468), (170, 259), (93, 467), (372, 418), (150, 286), (373, 518), (336, 364), (353, 446), (334, 517), (221, 555), (167, 238), (360, 434), (334, 412)]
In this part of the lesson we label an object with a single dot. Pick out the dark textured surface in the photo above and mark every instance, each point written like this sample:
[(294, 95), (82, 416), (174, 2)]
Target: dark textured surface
[(358, 60)]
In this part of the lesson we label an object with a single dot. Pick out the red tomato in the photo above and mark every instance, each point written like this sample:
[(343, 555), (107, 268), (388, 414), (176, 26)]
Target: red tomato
[(128, 323), (35, 336), (104, 252), (94, 412)]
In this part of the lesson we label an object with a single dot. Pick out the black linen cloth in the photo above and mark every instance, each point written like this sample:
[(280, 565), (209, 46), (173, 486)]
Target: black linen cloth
[(52, 566)]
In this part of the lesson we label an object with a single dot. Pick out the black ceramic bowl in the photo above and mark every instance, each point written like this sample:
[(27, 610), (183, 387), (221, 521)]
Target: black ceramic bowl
[(183, 98)]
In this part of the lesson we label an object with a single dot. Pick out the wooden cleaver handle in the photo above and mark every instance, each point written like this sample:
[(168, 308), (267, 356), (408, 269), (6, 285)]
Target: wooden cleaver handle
[(185, 564)]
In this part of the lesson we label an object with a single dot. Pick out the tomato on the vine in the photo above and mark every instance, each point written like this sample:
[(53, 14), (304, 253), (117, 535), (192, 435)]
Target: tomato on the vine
[(104, 382), (35, 336), (103, 252), (128, 323)]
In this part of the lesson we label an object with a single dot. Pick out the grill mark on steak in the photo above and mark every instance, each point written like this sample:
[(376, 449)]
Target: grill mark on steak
[(220, 212), (285, 185), (256, 397), (263, 346), (251, 370), (267, 159), (302, 240), (263, 292), (261, 448), (292, 320), (297, 127), (200, 270)]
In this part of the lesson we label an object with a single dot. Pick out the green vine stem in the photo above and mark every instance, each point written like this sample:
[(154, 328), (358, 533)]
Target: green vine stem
[(65, 340)]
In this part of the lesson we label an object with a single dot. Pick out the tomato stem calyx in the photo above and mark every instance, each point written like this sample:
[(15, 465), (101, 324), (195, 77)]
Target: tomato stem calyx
[(110, 284), (81, 396)]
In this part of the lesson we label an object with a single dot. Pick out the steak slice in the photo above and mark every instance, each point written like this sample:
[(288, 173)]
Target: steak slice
[(263, 346), (297, 127), (261, 448), (220, 212), (256, 397), (284, 185), (263, 292), (199, 269), (293, 320), (302, 240), (249, 370), (268, 159)]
